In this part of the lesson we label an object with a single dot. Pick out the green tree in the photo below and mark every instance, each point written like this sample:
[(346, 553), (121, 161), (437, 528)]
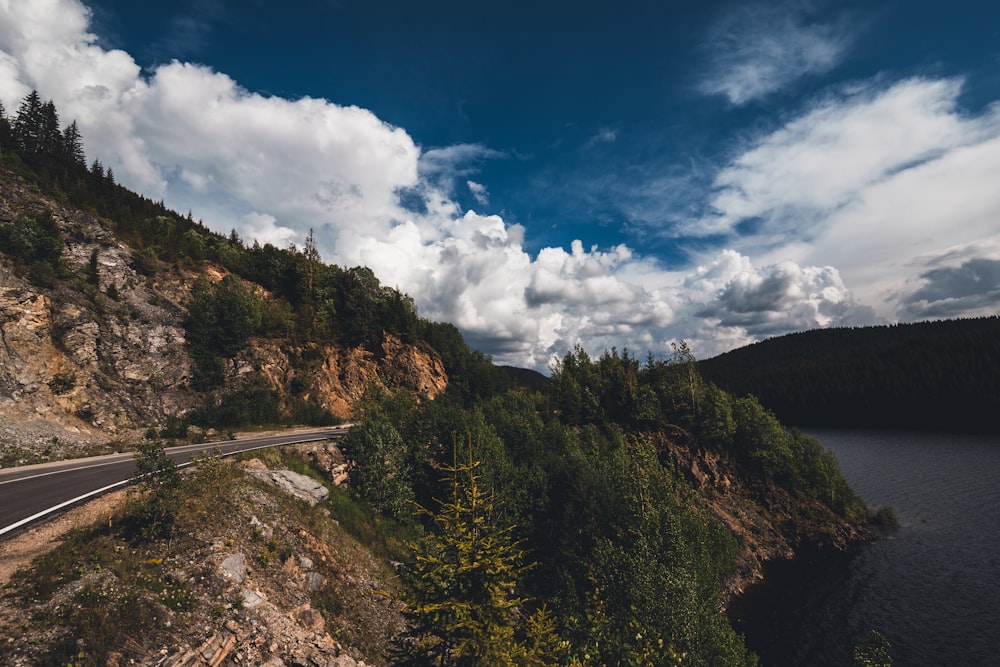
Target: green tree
[(36, 243), (200, 328), (51, 143), (238, 315), (379, 469), (33, 238), (6, 132), (29, 124), (92, 272), (714, 422), (761, 441), (221, 319), (158, 482), (464, 580), (73, 145)]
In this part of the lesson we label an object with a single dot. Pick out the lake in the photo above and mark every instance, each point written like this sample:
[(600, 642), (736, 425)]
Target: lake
[(932, 587)]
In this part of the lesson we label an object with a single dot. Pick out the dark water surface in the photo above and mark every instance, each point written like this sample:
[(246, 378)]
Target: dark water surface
[(932, 588)]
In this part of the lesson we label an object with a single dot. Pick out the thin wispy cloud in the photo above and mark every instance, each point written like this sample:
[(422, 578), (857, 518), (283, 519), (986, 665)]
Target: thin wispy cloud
[(824, 158), (606, 135), (758, 49), (456, 160), (187, 34), (479, 192)]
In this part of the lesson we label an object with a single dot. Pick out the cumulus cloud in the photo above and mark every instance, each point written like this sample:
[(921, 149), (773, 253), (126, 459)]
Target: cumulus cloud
[(760, 48), (959, 290), (962, 281), (745, 303), (785, 296)]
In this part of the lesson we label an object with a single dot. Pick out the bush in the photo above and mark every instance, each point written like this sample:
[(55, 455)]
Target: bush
[(379, 470), (886, 518), (32, 239), (158, 482)]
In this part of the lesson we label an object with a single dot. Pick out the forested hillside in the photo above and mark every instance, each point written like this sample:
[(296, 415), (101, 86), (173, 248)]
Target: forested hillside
[(941, 375), (629, 499)]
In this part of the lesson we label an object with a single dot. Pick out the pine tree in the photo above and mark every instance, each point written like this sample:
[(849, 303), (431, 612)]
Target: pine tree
[(6, 132), (50, 136), (29, 123), (73, 145), (463, 602)]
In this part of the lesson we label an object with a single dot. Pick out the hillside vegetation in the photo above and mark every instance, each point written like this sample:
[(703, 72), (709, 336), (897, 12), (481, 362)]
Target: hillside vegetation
[(118, 314), (601, 517), (940, 375)]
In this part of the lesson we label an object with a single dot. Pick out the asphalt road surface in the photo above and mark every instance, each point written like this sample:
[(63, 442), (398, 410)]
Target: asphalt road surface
[(31, 493)]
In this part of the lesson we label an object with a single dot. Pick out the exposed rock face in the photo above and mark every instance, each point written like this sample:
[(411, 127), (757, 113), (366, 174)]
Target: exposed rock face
[(767, 522), (86, 360), (411, 366), (88, 363), (338, 378)]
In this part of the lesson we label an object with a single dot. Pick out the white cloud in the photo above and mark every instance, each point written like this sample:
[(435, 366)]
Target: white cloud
[(867, 182), (820, 161), (455, 161), (265, 229), (759, 48), (606, 135)]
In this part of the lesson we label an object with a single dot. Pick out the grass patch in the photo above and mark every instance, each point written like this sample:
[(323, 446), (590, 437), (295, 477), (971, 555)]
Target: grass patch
[(382, 535)]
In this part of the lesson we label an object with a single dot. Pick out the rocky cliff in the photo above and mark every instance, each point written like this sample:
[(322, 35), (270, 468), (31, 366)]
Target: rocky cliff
[(767, 521), (101, 351)]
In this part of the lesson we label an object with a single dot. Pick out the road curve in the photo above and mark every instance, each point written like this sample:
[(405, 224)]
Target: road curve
[(31, 493)]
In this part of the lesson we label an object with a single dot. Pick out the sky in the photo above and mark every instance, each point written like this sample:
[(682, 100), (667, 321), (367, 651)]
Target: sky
[(547, 174)]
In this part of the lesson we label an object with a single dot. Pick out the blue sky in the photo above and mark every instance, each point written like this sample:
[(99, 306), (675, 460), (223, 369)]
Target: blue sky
[(547, 174)]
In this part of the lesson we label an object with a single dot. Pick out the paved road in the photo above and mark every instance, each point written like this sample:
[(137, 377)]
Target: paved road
[(30, 493)]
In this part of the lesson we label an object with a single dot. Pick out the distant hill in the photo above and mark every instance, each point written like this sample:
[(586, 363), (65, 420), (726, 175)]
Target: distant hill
[(526, 377), (942, 375)]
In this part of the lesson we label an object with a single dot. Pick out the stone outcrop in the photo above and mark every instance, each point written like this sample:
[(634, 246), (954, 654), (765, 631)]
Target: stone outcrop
[(88, 359), (298, 486), (326, 457)]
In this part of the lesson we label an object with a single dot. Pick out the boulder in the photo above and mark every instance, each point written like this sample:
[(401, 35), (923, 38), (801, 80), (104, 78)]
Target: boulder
[(296, 485), (234, 567)]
